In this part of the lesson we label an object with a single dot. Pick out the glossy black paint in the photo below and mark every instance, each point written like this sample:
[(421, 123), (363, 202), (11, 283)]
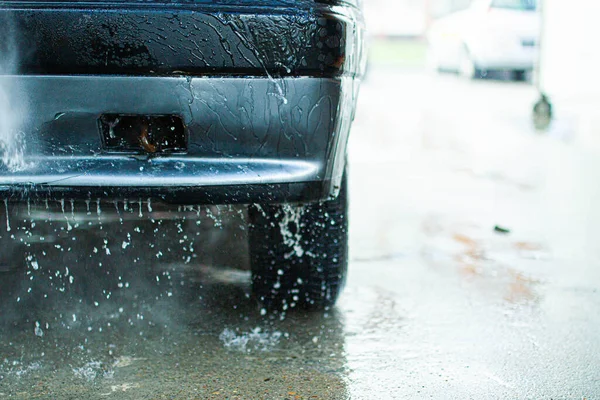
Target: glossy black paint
[(266, 91), (184, 38)]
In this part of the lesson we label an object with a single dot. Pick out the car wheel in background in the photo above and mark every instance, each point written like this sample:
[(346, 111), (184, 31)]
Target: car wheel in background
[(520, 75), (299, 254)]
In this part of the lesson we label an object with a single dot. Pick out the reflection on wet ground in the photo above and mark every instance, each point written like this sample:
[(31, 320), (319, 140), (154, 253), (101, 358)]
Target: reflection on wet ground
[(111, 304), (474, 273)]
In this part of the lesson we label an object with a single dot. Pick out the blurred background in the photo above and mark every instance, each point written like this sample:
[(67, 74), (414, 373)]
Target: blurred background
[(548, 43), (474, 160)]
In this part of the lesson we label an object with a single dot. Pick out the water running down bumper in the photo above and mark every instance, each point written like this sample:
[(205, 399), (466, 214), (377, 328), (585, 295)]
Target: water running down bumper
[(266, 91), (248, 139)]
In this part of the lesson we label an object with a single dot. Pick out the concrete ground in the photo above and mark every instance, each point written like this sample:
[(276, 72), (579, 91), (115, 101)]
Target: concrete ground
[(439, 304)]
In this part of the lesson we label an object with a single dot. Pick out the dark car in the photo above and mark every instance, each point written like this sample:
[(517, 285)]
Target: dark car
[(196, 102)]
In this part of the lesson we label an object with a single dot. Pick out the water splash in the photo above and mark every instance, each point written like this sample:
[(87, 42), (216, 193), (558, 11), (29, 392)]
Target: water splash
[(92, 370), (290, 226), (256, 339), (7, 215), (12, 139), (38, 330)]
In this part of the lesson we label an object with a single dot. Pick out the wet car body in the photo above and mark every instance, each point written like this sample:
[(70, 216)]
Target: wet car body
[(194, 102), (264, 92)]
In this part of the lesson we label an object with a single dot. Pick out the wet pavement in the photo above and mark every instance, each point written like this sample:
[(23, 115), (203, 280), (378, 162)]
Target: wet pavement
[(439, 303)]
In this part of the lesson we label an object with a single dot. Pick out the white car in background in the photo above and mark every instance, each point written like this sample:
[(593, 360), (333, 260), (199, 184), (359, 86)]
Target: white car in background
[(490, 35)]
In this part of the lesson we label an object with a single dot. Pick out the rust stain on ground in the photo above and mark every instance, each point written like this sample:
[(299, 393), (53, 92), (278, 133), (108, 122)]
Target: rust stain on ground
[(470, 259), (469, 270), (472, 253), (467, 241), (520, 288), (527, 246)]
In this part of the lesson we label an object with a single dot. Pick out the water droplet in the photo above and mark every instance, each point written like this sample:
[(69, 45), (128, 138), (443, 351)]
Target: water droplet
[(7, 217), (38, 330)]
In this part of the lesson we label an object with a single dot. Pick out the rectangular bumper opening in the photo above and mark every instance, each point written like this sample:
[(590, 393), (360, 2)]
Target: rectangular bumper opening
[(143, 134)]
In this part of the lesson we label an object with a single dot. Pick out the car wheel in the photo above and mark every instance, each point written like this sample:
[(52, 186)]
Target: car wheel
[(519, 75), (299, 254)]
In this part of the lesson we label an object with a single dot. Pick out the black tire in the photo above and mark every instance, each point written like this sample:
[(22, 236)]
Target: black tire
[(299, 254), (519, 75)]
